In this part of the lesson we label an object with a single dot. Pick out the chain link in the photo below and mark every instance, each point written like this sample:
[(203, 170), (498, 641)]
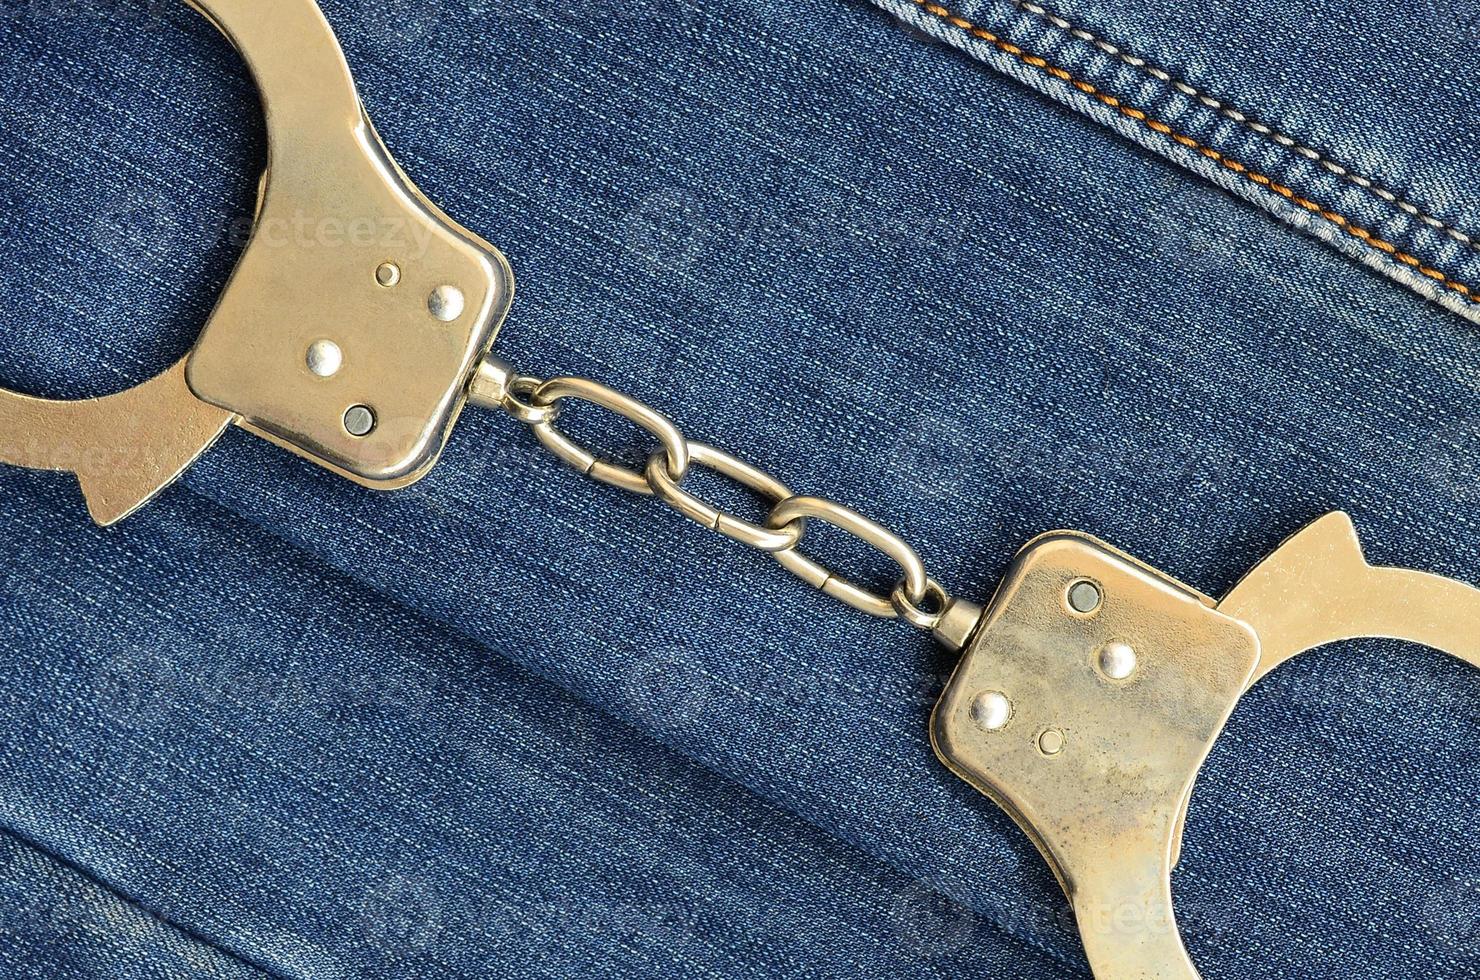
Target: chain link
[(516, 403), (772, 539), (797, 509), (917, 598)]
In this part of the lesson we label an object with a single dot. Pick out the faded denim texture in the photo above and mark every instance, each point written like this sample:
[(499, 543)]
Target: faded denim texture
[(511, 723)]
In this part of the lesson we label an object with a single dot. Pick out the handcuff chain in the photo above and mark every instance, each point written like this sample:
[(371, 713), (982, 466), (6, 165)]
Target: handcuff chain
[(917, 598)]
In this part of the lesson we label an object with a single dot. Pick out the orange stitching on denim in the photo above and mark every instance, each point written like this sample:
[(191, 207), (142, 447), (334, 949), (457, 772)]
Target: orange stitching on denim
[(1157, 126), (1243, 119)]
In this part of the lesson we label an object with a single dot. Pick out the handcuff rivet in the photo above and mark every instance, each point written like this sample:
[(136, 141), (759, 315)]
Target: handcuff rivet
[(388, 274), (1117, 660), (325, 358), (1051, 742), (1084, 597), (446, 303), (359, 421), (991, 710)]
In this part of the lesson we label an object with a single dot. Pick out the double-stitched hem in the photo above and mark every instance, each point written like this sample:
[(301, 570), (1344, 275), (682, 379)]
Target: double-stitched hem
[(1227, 144)]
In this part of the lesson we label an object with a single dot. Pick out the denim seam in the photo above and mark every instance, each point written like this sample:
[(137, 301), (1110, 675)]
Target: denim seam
[(1004, 925), (1145, 119), (192, 935), (1225, 108), (1435, 248)]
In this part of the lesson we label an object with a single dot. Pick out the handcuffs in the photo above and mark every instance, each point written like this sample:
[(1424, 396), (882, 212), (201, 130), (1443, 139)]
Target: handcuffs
[(1092, 687)]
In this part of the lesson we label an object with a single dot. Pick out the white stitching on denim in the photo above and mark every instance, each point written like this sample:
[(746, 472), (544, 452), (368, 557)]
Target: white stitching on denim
[(1244, 120)]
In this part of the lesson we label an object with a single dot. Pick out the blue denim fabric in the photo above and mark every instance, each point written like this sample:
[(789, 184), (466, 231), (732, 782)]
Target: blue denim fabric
[(507, 722), (1349, 124), (58, 922), (400, 804)]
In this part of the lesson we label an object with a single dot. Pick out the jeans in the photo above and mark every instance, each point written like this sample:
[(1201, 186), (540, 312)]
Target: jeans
[(508, 722)]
